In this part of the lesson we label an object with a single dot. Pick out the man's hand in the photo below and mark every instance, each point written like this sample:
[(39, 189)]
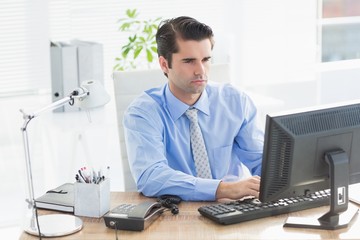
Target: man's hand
[(240, 189)]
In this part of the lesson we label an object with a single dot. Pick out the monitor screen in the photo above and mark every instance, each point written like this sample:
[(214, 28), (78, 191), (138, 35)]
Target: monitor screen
[(298, 147)]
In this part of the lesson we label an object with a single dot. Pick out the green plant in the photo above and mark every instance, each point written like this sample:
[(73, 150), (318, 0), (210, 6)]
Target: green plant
[(140, 48)]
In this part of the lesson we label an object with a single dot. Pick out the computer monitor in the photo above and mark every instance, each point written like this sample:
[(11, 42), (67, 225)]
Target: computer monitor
[(313, 150)]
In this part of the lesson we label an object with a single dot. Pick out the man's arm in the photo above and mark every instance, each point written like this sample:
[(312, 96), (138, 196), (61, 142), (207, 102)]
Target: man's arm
[(250, 138)]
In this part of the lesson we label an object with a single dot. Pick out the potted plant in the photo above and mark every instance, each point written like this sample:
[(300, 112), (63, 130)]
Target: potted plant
[(140, 49)]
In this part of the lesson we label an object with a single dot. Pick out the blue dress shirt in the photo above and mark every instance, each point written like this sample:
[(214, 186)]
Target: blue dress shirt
[(158, 141)]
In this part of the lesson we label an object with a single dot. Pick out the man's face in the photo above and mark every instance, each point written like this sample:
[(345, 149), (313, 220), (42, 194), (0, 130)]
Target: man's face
[(188, 74)]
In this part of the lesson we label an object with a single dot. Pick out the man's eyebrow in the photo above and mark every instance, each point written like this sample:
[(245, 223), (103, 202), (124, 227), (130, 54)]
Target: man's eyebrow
[(191, 59), (187, 59)]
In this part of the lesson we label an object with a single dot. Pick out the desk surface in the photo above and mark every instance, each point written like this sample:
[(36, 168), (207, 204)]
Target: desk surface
[(189, 224)]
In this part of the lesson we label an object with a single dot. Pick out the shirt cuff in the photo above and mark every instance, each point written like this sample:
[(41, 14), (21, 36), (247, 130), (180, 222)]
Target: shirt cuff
[(205, 189)]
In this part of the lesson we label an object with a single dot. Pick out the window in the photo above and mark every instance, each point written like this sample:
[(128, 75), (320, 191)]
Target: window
[(340, 30), (24, 58), (274, 42)]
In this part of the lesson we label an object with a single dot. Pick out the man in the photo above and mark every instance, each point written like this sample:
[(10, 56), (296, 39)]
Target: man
[(157, 129)]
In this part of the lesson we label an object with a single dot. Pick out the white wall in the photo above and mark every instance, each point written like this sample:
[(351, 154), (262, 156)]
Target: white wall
[(331, 83), (273, 41), (339, 81)]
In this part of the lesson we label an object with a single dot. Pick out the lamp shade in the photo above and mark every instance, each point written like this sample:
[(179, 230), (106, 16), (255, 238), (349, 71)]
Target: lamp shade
[(96, 97)]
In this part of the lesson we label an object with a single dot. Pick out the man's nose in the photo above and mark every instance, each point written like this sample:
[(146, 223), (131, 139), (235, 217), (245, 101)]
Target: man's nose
[(200, 69)]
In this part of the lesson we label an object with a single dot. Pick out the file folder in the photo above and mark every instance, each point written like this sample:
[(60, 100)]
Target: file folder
[(64, 72), (90, 60)]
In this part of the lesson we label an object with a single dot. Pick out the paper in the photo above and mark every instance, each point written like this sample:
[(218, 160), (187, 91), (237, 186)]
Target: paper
[(354, 193)]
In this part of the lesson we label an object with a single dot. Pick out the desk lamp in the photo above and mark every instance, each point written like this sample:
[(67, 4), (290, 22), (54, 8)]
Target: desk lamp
[(91, 94)]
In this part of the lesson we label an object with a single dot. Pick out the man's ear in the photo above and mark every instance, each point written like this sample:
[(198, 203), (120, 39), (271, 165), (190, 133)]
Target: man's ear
[(164, 64)]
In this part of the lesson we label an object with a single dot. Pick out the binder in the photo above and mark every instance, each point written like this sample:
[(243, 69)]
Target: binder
[(64, 72), (90, 60), (56, 74)]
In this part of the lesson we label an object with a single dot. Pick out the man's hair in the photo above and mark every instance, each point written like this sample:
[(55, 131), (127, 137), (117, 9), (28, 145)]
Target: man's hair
[(185, 28)]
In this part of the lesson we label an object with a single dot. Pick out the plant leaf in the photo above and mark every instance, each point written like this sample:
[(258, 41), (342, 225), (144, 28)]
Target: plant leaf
[(126, 52), (149, 55), (141, 36), (142, 40), (154, 49), (137, 51), (133, 38), (131, 13)]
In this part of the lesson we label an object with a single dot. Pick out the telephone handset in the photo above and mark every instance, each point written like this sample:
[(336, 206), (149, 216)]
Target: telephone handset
[(143, 210), (134, 217)]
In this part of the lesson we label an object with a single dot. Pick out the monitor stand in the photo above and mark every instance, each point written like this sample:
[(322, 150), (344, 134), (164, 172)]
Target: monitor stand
[(339, 215)]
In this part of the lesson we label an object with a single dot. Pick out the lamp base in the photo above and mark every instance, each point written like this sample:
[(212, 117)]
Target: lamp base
[(55, 225)]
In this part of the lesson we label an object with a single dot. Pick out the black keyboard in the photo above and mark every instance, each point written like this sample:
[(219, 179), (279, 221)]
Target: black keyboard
[(250, 209)]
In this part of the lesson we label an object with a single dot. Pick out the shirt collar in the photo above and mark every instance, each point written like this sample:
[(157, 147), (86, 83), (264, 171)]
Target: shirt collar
[(177, 108)]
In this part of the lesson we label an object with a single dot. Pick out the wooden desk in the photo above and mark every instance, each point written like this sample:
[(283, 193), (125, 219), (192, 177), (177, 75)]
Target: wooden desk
[(189, 224)]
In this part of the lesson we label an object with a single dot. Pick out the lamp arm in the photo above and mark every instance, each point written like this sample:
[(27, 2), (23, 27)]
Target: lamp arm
[(54, 105), (78, 93), (27, 119), (31, 199)]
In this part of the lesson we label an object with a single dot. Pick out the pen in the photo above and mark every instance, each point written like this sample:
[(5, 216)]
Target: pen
[(94, 177), (84, 176), (79, 179), (81, 176)]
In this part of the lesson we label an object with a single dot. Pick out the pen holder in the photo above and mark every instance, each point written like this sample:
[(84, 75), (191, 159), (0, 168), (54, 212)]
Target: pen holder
[(92, 200)]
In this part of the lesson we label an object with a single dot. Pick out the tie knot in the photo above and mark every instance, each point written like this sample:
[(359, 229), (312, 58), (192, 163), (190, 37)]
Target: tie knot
[(191, 113)]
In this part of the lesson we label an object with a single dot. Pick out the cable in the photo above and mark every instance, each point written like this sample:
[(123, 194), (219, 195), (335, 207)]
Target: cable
[(116, 231), (170, 202), (37, 221)]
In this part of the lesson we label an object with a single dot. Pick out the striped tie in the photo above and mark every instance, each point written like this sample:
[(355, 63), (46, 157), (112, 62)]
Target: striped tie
[(198, 146)]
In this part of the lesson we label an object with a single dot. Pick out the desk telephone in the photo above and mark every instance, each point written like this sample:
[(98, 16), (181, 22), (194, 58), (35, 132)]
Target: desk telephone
[(138, 217), (133, 217)]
